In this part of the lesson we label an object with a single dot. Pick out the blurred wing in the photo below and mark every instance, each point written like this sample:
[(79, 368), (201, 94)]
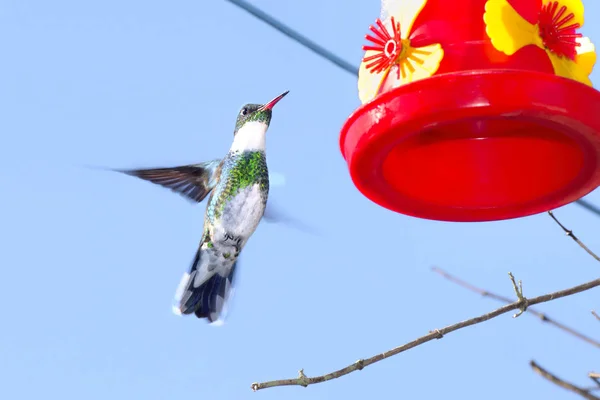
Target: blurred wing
[(274, 215), (276, 179), (194, 181)]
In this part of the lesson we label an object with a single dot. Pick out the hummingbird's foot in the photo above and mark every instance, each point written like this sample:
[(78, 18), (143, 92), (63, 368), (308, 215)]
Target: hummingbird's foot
[(235, 239), (230, 246)]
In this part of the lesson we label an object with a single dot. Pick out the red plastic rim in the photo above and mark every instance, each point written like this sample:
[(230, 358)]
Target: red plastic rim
[(476, 146)]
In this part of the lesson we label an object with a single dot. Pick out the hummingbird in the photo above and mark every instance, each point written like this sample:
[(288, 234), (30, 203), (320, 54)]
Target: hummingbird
[(238, 189)]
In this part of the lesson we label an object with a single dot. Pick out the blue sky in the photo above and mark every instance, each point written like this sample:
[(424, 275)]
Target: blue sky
[(91, 259)]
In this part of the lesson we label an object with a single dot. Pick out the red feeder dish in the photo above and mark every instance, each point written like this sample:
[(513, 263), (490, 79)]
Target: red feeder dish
[(475, 113)]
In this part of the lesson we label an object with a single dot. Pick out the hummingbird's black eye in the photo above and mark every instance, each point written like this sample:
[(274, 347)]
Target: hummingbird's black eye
[(244, 111)]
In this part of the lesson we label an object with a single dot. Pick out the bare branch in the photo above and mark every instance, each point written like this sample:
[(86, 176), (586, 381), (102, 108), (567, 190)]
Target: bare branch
[(563, 384), (303, 380), (572, 236), (543, 317), (596, 315)]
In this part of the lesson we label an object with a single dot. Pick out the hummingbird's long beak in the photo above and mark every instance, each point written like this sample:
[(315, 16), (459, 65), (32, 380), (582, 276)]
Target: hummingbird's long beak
[(270, 104)]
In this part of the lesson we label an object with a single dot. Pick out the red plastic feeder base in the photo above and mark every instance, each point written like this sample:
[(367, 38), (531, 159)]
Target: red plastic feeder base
[(476, 146)]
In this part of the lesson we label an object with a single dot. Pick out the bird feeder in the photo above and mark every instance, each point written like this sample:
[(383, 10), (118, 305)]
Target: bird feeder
[(475, 110)]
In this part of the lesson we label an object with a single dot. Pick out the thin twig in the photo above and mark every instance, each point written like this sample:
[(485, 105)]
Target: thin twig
[(563, 384), (303, 380), (596, 315), (543, 317), (572, 236), (519, 292), (595, 376)]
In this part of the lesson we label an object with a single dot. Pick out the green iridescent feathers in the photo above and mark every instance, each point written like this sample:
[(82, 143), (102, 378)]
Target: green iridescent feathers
[(244, 169)]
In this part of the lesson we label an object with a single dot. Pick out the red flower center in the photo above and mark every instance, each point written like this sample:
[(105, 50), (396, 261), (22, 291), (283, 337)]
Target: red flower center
[(557, 32), (388, 46)]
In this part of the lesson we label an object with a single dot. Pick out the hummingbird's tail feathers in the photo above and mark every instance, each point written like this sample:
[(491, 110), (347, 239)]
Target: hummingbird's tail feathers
[(215, 296), (205, 290)]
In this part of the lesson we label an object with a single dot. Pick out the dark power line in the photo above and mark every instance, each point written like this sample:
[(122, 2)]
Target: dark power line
[(588, 206), (292, 34), (328, 55)]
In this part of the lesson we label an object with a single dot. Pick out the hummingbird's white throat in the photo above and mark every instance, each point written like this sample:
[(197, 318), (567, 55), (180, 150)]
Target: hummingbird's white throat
[(250, 137)]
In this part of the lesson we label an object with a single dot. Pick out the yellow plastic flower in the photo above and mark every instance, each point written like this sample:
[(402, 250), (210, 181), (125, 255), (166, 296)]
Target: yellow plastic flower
[(392, 53), (572, 55)]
